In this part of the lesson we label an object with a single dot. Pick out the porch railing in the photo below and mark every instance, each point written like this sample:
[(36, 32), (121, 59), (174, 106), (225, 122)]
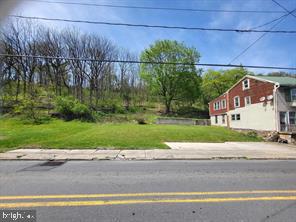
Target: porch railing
[(288, 127)]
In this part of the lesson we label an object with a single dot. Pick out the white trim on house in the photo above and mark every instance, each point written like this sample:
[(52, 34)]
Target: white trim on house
[(223, 104), (236, 104), (246, 86), (246, 99), (219, 120), (263, 80), (217, 105), (251, 77)]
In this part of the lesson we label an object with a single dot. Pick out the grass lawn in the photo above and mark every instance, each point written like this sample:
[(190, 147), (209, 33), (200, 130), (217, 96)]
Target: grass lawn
[(59, 134)]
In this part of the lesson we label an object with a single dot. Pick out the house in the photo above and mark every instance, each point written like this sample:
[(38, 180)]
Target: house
[(265, 103)]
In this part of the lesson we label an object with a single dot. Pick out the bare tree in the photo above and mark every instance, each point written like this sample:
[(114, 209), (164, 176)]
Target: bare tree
[(89, 80)]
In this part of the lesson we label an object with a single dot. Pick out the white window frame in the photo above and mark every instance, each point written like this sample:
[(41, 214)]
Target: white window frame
[(243, 82), (233, 115), (247, 104), (217, 105), (234, 103), (223, 104)]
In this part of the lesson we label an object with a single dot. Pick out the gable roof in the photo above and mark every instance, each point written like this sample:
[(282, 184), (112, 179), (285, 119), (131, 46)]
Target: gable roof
[(279, 80), (282, 80)]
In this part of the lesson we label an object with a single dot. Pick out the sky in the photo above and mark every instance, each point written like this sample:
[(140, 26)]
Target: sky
[(214, 47)]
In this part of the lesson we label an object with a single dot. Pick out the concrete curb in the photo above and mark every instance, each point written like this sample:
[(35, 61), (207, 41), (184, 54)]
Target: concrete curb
[(129, 155), (178, 151)]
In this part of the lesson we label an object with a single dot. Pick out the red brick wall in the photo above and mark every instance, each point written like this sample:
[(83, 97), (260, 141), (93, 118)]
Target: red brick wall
[(257, 90), (220, 111)]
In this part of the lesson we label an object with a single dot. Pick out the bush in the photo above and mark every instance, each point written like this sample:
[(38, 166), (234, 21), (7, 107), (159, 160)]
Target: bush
[(253, 134), (141, 120), (70, 109), (28, 109), (135, 109), (118, 109), (65, 105)]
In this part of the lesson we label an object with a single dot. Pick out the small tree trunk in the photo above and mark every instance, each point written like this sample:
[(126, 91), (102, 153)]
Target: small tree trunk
[(167, 107)]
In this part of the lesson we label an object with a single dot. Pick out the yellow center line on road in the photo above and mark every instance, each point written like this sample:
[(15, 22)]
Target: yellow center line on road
[(143, 201), (76, 196)]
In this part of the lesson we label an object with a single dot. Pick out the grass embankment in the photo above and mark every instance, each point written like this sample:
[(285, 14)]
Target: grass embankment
[(59, 134)]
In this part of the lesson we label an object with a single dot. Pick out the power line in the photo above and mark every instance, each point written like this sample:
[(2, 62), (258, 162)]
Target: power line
[(283, 8), (147, 62), (155, 26), (270, 22), (156, 8), (258, 39)]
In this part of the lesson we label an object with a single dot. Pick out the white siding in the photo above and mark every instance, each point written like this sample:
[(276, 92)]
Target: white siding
[(255, 116), (220, 123)]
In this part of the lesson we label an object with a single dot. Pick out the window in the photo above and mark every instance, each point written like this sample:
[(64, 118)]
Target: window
[(216, 119), (235, 117), (246, 84), (223, 119), (247, 100), (293, 94), (217, 105), (292, 117), (236, 102), (223, 102)]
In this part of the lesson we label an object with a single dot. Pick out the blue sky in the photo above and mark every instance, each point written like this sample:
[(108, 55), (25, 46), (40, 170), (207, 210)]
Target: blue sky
[(214, 47)]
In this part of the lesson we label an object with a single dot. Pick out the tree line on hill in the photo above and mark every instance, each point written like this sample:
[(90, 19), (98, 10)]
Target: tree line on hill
[(79, 86)]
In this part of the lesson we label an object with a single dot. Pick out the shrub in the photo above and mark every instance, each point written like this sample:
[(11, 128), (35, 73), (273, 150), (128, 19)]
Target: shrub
[(28, 109), (135, 109), (252, 134), (64, 106), (141, 120), (110, 106), (81, 111), (118, 109), (70, 109)]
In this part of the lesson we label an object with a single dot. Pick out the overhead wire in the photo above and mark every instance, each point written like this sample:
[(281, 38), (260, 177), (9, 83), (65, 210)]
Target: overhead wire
[(155, 26), (147, 62), (156, 8)]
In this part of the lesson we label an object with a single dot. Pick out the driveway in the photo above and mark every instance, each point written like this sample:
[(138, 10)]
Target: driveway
[(252, 150)]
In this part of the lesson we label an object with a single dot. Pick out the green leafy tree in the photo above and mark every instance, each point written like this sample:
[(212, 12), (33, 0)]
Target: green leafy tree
[(172, 82), (216, 82)]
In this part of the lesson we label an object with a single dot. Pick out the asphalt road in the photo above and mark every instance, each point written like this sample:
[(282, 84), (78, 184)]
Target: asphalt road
[(233, 190)]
